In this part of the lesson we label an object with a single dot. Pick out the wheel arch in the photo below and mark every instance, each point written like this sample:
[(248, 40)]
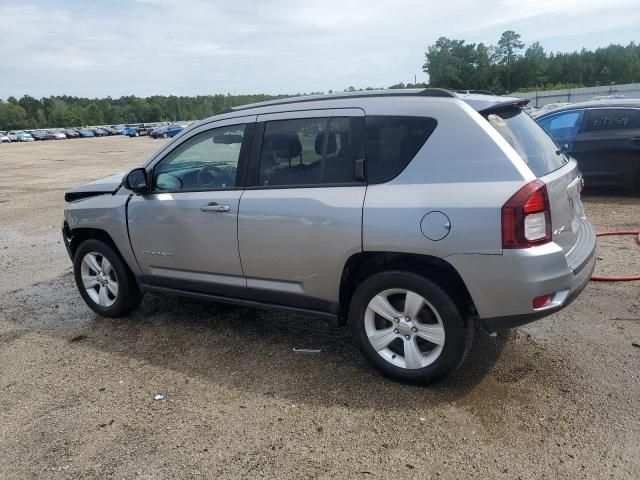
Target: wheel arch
[(364, 264), (76, 236)]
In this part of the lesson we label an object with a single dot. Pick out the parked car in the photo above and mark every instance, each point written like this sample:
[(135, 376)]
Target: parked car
[(166, 132), (71, 133), (471, 217), (99, 132), (57, 134), (42, 135), (110, 131), (130, 132), (548, 107), (85, 132), (603, 136), (20, 136), (4, 138)]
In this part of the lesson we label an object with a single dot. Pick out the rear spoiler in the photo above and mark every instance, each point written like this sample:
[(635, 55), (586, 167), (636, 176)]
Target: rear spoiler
[(512, 102)]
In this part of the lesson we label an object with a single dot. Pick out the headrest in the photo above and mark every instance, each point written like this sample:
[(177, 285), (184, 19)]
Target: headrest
[(331, 144), (284, 145)]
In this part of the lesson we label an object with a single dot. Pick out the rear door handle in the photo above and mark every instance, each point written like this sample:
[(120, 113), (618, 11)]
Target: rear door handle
[(214, 207), (635, 140)]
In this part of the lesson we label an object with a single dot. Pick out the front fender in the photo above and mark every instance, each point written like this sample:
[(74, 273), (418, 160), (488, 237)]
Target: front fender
[(109, 214)]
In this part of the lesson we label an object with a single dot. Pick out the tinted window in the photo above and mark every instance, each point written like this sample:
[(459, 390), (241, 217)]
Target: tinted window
[(563, 127), (528, 139), (308, 151), (392, 142), (206, 161), (605, 119)]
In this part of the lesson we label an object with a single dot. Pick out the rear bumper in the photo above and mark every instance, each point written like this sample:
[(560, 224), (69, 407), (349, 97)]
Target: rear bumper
[(504, 286), (511, 321)]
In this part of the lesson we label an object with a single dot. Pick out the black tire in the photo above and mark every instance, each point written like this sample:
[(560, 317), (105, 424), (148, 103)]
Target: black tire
[(458, 334), (128, 295)]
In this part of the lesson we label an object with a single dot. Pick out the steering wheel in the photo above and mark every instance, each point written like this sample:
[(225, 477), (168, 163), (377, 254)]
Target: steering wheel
[(212, 176)]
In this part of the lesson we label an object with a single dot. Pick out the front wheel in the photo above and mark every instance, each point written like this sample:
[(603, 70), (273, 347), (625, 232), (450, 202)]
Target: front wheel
[(408, 328), (105, 282)]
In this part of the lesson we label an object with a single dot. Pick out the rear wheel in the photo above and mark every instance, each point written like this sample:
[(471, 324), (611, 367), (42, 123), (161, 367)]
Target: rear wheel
[(105, 282), (408, 328)]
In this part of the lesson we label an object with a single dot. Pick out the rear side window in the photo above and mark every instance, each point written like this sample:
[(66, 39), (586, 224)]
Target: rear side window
[(392, 142), (528, 139), (563, 127), (606, 119)]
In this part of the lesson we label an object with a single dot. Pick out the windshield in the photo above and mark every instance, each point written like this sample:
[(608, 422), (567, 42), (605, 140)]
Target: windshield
[(528, 139)]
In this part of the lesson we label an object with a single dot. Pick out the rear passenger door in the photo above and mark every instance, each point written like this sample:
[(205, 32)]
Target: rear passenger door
[(301, 212), (608, 146)]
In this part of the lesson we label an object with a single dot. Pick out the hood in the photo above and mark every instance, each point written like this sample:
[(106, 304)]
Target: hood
[(101, 186)]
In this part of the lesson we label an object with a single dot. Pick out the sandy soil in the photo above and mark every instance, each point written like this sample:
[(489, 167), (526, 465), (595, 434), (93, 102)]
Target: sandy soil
[(558, 398)]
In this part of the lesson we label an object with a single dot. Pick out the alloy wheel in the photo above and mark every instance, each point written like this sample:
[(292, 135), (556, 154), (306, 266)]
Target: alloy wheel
[(404, 328), (99, 279)]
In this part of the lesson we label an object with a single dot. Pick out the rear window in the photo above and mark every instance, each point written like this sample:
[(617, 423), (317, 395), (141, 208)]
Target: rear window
[(528, 139), (392, 142)]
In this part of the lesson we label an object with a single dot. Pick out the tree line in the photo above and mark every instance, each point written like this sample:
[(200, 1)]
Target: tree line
[(510, 67), (505, 67)]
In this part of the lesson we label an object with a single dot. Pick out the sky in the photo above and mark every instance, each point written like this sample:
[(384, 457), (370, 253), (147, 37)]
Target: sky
[(198, 47)]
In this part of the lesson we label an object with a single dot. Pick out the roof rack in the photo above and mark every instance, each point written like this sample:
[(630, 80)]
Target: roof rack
[(400, 92), (479, 92)]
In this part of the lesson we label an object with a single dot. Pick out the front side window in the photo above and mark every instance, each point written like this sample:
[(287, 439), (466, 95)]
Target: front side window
[(563, 127), (309, 151), (392, 142), (606, 119), (207, 161)]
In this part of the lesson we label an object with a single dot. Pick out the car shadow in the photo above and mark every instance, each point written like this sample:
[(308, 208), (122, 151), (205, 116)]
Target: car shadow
[(253, 350), (241, 348)]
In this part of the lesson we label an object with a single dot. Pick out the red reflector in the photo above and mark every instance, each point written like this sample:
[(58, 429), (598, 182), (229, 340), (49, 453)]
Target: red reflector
[(542, 301), (535, 203)]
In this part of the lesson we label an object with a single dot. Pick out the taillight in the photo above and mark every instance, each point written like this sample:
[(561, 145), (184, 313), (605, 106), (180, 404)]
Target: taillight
[(526, 217)]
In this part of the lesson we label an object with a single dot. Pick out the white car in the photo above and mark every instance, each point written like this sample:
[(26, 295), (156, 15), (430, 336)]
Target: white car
[(20, 136), (548, 107), (4, 138), (58, 135)]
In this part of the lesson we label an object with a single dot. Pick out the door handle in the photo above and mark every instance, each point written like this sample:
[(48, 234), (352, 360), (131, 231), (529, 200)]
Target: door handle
[(214, 207), (635, 140)]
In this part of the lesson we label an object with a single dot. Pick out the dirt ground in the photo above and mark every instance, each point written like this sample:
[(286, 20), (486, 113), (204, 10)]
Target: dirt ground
[(559, 398)]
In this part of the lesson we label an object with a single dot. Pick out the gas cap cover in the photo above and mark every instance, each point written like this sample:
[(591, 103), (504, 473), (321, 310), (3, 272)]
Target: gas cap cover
[(435, 225)]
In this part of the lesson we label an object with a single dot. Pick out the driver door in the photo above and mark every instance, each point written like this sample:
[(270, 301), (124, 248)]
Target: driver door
[(184, 231)]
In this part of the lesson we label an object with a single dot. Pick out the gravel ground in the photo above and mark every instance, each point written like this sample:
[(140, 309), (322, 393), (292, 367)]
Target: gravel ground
[(557, 398)]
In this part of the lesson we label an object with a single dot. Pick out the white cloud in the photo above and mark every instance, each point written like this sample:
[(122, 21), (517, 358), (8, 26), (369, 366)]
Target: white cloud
[(195, 46)]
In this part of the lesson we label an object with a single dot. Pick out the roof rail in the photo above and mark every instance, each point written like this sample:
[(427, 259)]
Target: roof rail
[(480, 92), (400, 92)]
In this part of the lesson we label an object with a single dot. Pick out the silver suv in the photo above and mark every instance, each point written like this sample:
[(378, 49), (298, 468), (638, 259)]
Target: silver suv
[(412, 215)]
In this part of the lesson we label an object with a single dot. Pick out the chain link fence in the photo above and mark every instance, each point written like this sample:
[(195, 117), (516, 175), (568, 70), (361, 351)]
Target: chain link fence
[(574, 95)]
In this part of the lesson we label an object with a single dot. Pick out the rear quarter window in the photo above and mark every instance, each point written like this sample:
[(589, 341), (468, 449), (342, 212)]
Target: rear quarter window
[(528, 139), (392, 142)]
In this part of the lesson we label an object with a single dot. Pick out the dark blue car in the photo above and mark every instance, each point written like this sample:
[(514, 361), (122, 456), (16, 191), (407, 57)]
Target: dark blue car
[(166, 132), (603, 136), (130, 132), (85, 132)]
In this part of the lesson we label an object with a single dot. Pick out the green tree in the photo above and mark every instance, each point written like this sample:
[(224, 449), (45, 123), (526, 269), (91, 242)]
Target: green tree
[(508, 47)]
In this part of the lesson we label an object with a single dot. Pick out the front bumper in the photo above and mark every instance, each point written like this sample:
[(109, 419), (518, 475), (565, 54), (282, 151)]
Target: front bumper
[(503, 286), (66, 237)]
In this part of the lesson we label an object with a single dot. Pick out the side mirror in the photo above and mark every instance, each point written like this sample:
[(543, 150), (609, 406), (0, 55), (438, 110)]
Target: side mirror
[(136, 181)]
